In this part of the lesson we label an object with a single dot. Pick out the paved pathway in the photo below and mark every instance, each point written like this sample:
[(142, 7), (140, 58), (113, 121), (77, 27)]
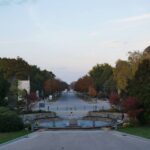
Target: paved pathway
[(79, 140), (70, 106)]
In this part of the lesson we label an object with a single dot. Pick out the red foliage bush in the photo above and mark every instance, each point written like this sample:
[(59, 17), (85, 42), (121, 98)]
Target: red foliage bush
[(32, 97), (130, 103), (132, 106), (114, 99)]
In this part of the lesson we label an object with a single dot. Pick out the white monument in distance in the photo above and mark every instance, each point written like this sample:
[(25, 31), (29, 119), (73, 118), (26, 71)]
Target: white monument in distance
[(24, 85)]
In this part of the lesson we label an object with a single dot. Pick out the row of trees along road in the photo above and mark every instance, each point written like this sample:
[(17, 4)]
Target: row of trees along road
[(99, 81), (127, 85), (12, 70)]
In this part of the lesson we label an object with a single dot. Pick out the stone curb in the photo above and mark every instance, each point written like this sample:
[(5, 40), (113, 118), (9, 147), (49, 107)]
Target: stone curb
[(131, 135)]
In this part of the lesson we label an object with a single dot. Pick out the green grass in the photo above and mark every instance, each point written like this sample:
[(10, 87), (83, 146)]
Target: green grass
[(138, 131), (4, 137)]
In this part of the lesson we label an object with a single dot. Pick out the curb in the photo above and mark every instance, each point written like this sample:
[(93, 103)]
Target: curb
[(131, 135)]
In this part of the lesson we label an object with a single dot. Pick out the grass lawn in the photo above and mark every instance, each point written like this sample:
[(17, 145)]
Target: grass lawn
[(139, 131), (4, 137)]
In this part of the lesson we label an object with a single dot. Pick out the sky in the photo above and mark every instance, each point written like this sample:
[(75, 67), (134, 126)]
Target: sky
[(69, 37)]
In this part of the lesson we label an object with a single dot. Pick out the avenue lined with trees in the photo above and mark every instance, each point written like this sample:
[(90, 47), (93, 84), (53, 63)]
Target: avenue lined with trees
[(74, 75)]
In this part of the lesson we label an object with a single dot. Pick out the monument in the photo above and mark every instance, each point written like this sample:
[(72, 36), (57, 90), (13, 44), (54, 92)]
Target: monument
[(23, 85)]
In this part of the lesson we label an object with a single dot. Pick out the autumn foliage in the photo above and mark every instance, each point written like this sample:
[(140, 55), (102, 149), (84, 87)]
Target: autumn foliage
[(83, 84), (32, 97), (114, 99), (52, 86), (92, 92), (132, 106)]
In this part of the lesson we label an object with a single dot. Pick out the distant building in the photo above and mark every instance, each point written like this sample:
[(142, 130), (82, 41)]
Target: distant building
[(24, 85)]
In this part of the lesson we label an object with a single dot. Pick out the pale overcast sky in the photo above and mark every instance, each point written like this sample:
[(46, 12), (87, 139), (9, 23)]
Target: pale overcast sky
[(70, 36)]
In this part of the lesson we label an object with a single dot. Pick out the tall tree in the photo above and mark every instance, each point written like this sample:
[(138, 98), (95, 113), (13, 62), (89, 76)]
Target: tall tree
[(147, 50), (14, 68), (139, 86), (135, 58), (102, 75), (38, 77), (83, 84), (122, 73), (52, 86)]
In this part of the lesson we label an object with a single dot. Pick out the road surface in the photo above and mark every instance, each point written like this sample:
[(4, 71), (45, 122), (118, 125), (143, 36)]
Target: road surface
[(70, 106), (79, 140)]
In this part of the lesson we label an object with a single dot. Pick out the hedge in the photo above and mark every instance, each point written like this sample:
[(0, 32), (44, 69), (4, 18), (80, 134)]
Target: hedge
[(9, 120)]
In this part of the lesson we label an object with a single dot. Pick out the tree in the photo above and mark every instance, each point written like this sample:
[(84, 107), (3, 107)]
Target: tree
[(14, 68), (122, 73), (13, 94), (102, 75), (52, 86), (109, 85), (83, 84), (38, 77), (4, 87), (92, 92), (139, 87), (10, 121), (19, 69), (147, 50), (134, 59)]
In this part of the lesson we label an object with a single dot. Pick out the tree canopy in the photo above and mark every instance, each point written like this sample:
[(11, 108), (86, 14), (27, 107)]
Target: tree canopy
[(122, 73), (83, 84), (52, 86), (19, 69), (139, 86), (102, 75)]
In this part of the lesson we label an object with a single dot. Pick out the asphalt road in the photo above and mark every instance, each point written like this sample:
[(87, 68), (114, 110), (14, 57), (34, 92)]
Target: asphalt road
[(79, 140)]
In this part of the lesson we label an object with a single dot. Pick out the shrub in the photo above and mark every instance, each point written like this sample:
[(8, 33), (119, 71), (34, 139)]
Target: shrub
[(114, 99), (9, 121), (132, 106), (28, 126), (126, 125)]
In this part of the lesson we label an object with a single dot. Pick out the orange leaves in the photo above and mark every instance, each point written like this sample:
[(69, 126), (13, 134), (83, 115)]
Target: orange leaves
[(54, 85), (92, 92), (83, 84), (51, 86)]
